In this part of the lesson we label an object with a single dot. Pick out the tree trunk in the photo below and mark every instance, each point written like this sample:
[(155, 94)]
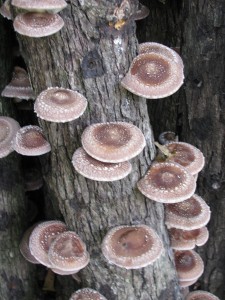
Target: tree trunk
[(90, 56)]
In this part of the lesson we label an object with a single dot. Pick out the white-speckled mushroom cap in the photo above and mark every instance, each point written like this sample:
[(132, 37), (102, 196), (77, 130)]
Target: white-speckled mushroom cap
[(30, 141), (5, 10), (189, 264), (113, 142), (178, 242), (167, 183), (68, 252), (42, 237), (19, 87), (94, 169), (8, 130), (60, 105), (132, 247), (87, 294), (52, 6), (190, 214), (201, 295), (186, 155), (37, 24), (153, 75)]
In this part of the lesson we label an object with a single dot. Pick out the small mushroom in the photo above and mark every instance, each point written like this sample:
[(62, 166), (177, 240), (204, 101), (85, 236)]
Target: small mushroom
[(33, 179), (60, 105), (37, 24), (87, 294), (42, 237), (132, 247), (167, 183), (68, 252), (97, 170), (153, 75), (189, 265), (201, 295), (203, 237), (51, 6), (19, 87), (8, 130), (190, 214), (30, 141), (5, 10), (167, 136), (113, 142), (141, 13)]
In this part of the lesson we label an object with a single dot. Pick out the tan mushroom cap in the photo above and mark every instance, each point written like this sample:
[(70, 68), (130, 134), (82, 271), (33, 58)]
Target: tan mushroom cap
[(5, 10), (167, 137), (178, 242), (94, 169), (24, 246), (149, 47), (68, 252), (19, 87), (8, 130), (186, 155), (186, 283), (190, 214), (37, 24), (87, 294), (113, 142), (60, 105), (53, 6), (141, 13), (42, 237), (189, 265), (153, 75), (167, 183), (132, 247), (201, 295)]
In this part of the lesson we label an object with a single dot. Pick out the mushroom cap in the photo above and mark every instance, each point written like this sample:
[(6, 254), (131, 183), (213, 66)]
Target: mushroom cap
[(60, 105), (33, 179), (203, 237), (167, 183), (61, 272), (8, 130), (186, 283), (189, 265), (187, 156), (190, 214), (37, 24), (178, 242), (201, 295), (153, 75), (30, 141), (167, 137), (24, 246), (40, 5), (132, 247), (141, 13), (68, 252), (96, 170), (19, 87), (5, 10), (42, 237), (149, 47), (113, 142), (87, 294)]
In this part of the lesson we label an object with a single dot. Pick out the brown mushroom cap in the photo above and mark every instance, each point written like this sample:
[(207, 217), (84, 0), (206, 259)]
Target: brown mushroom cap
[(42, 237), (178, 242), (141, 13), (5, 10), (60, 105), (203, 237), (19, 87), (187, 156), (153, 76), (189, 264), (37, 24), (68, 252), (8, 130), (167, 183), (24, 246), (167, 137), (113, 142), (201, 295), (132, 247), (97, 170), (190, 214), (52, 6), (87, 294), (30, 141)]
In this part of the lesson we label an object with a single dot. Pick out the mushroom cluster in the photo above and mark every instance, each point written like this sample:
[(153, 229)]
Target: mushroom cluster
[(50, 243), (107, 147), (40, 19)]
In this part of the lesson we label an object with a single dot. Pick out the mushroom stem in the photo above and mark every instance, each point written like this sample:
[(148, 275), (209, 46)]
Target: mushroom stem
[(163, 149), (49, 282)]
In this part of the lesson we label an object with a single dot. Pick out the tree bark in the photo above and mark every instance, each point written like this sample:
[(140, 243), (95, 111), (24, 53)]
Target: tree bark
[(90, 56)]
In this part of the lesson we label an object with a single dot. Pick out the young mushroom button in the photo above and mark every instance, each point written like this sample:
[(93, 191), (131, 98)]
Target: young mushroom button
[(113, 142), (132, 247), (52, 6), (201, 295), (87, 294)]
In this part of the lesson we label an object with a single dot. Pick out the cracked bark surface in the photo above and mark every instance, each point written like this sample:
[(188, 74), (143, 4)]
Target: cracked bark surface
[(91, 57)]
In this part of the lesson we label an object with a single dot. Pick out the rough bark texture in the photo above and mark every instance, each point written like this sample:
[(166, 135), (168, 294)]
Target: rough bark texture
[(90, 56)]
